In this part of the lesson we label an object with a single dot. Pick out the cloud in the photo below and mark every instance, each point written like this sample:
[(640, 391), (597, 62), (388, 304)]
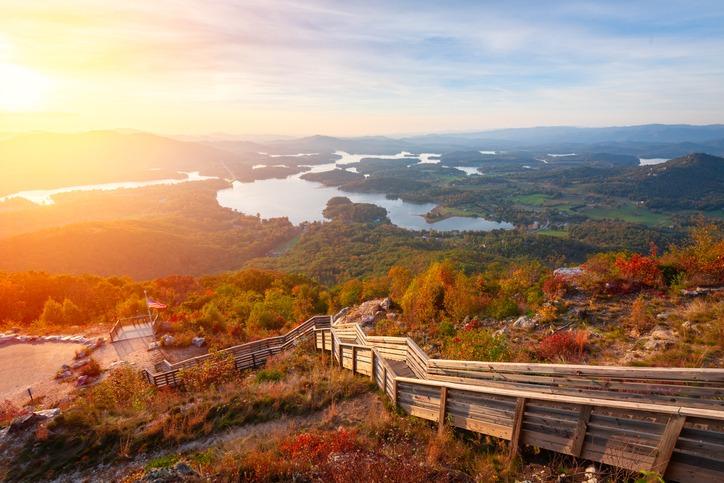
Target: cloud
[(426, 63)]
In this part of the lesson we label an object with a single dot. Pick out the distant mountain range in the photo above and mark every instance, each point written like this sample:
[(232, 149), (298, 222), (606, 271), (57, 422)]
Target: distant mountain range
[(50, 160)]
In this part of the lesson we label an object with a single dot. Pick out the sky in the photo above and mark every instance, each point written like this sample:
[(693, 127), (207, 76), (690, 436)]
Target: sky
[(357, 68)]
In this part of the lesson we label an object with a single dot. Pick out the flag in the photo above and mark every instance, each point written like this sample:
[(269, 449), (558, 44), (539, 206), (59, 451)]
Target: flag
[(154, 304)]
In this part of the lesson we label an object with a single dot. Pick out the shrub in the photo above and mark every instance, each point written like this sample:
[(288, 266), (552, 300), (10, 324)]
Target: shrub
[(564, 346), (640, 316), (92, 369), (212, 372), (477, 345), (317, 446), (269, 375), (8, 412), (555, 288)]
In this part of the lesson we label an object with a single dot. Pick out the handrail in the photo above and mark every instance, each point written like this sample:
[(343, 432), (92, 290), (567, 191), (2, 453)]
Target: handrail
[(120, 324), (679, 441), (261, 347)]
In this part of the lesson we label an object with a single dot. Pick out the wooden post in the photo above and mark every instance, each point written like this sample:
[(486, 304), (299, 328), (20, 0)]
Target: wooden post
[(394, 391), (372, 360), (341, 356), (441, 415), (384, 379), (667, 443), (354, 359), (253, 361), (517, 425), (580, 434)]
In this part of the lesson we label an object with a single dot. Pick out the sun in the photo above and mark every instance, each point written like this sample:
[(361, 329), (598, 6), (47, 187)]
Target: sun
[(22, 89)]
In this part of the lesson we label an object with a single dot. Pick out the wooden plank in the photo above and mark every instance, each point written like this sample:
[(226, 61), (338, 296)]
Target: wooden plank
[(655, 408), (354, 359), (667, 443), (517, 423), (372, 365), (441, 415), (580, 432)]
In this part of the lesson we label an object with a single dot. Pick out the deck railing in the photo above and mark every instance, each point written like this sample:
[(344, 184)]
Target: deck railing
[(655, 419), (246, 356), (134, 322)]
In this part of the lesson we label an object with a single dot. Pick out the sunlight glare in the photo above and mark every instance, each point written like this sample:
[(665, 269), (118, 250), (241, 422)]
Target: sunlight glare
[(21, 89)]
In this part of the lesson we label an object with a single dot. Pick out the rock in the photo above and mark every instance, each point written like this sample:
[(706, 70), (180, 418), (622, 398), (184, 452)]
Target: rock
[(386, 304), (660, 338), (82, 381), (48, 413), (81, 354), (590, 475), (65, 374), (79, 363), (179, 472), (662, 316), (391, 316), (688, 327), (26, 421), (184, 469), (198, 341), (154, 345), (501, 332), (525, 322), (167, 340)]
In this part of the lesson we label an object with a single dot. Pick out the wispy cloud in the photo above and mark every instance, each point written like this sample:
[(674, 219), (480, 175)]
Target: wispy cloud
[(363, 67)]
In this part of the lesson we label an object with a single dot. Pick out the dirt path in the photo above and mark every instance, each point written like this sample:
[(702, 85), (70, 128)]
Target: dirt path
[(34, 365), (349, 412)]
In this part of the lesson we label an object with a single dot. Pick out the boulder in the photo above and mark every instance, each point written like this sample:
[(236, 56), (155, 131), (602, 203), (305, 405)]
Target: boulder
[(198, 341), (49, 413), (525, 322), (154, 345), (167, 340), (82, 381), (25, 421)]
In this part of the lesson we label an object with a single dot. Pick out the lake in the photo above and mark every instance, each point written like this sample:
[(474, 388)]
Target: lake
[(651, 161), (45, 197), (301, 200)]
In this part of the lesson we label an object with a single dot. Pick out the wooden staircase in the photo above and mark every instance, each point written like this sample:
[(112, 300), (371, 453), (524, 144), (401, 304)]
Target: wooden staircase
[(670, 421), (667, 420)]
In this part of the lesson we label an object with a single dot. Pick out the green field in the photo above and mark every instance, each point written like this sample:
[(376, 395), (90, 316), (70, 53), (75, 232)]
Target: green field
[(533, 199), (628, 213)]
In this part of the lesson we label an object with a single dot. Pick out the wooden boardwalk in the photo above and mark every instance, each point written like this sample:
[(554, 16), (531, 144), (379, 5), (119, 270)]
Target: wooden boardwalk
[(668, 420), (641, 419)]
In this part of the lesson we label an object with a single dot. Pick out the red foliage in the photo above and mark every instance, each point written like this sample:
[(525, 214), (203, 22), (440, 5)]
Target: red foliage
[(639, 270), (318, 446), (555, 287), (565, 346)]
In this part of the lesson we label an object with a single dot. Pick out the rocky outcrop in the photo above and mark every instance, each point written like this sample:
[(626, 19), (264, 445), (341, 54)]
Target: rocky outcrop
[(368, 313)]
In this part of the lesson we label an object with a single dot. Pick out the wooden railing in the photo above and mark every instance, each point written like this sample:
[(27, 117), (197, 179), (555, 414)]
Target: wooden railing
[(132, 321), (246, 356), (656, 419)]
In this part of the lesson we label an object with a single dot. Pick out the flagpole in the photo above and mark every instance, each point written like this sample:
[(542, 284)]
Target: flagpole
[(145, 295)]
